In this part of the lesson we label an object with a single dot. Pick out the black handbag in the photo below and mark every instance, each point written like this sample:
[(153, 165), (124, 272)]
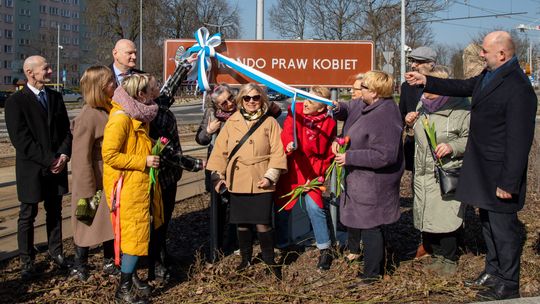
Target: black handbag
[(446, 178)]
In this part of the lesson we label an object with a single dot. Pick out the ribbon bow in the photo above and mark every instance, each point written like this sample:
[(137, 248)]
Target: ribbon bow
[(205, 49)]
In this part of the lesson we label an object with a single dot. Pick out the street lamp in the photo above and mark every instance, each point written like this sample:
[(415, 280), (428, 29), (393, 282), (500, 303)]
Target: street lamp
[(522, 28), (140, 36)]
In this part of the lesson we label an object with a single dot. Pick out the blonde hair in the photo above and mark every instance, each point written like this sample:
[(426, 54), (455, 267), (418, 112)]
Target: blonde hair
[(94, 81), (473, 63), (320, 91), (135, 83), (439, 71), (379, 82), (359, 76), (246, 88)]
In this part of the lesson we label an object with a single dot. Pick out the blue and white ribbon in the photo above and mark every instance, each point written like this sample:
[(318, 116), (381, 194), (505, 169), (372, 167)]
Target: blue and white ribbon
[(205, 49)]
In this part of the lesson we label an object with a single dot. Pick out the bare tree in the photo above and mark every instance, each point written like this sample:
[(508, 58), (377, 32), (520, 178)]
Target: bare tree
[(288, 18), (333, 19)]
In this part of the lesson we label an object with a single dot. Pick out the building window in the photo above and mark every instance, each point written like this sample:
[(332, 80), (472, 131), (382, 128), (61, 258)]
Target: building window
[(42, 23), (65, 40), (53, 10), (75, 27), (66, 27), (7, 64), (9, 3), (24, 12), (24, 27), (7, 49), (76, 2), (75, 15), (54, 24), (43, 9), (7, 79), (76, 41), (8, 34), (8, 18)]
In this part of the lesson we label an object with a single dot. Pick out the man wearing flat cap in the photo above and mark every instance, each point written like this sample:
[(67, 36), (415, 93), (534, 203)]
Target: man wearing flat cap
[(421, 60)]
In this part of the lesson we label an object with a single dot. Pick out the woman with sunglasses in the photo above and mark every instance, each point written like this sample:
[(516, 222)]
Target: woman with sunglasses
[(374, 165), (250, 175), (222, 105)]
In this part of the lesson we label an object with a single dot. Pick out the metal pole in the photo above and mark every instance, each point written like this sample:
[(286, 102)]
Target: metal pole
[(58, 58), (402, 41), (260, 20), (140, 37), (333, 181)]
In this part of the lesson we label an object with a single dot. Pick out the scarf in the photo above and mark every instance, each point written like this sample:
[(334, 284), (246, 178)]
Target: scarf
[(222, 115), (434, 105), (314, 124), (252, 116), (144, 112)]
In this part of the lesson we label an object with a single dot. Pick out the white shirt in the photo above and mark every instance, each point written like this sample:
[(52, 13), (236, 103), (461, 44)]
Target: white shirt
[(36, 91)]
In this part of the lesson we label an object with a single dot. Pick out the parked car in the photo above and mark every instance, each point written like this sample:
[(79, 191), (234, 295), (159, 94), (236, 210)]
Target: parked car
[(71, 96), (274, 95), (3, 96)]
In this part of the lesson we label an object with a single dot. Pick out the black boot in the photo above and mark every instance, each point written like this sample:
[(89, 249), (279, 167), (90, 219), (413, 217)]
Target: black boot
[(124, 293), (141, 285), (266, 240), (325, 259), (246, 248), (80, 269)]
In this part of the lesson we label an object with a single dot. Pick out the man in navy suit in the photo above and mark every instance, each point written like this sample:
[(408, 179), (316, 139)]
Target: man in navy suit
[(494, 172), (38, 126)]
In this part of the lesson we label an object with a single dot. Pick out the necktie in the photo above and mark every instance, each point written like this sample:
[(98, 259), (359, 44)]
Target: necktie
[(42, 100)]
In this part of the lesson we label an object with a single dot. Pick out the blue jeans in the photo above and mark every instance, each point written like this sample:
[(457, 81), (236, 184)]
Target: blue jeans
[(316, 215)]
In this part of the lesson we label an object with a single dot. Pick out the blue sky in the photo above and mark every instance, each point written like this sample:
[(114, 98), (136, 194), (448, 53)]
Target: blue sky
[(447, 32)]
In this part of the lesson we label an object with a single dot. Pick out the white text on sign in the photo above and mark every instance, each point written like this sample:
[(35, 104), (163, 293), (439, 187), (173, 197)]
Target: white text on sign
[(300, 63)]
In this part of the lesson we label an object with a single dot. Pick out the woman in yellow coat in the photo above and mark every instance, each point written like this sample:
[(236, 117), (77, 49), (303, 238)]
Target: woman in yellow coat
[(127, 151)]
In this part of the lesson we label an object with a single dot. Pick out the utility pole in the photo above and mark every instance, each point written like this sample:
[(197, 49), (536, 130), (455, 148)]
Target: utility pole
[(260, 20), (140, 37), (402, 54)]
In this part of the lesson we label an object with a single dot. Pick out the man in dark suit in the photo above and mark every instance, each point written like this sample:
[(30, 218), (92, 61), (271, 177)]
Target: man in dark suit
[(38, 126), (125, 59), (494, 171)]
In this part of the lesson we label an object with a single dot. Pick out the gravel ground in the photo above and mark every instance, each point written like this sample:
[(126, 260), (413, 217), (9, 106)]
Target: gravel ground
[(194, 280)]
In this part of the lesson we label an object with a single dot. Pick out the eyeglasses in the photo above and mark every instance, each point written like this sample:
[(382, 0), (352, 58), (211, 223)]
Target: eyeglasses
[(411, 61), (228, 100), (364, 87), (255, 98)]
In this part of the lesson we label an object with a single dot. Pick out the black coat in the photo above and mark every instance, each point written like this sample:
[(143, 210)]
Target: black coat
[(38, 138), (408, 100), (501, 132)]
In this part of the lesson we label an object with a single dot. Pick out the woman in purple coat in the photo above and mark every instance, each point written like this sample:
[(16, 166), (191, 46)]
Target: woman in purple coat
[(374, 165)]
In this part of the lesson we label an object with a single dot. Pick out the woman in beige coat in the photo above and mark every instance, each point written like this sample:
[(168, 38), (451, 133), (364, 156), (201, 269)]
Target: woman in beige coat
[(97, 85), (438, 218), (251, 174)]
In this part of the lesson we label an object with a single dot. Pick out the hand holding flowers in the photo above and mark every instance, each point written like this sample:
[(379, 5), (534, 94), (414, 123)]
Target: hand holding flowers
[(152, 161)]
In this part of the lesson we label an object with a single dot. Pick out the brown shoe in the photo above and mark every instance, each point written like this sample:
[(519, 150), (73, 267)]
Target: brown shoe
[(421, 252)]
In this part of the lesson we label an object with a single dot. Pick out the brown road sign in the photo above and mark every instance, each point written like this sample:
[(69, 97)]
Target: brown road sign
[(295, 62)]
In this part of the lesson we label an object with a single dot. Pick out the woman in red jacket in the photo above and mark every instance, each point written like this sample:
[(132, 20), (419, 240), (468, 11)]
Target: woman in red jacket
[(309, 159)]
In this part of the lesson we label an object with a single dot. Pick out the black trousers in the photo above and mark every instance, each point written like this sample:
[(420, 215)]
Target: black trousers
[(504, 245), (158, 237), (442, 244), (374, 247), (25, 227)]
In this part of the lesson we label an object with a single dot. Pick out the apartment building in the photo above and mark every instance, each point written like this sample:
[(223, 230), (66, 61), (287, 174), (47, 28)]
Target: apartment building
[(29, 27)]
